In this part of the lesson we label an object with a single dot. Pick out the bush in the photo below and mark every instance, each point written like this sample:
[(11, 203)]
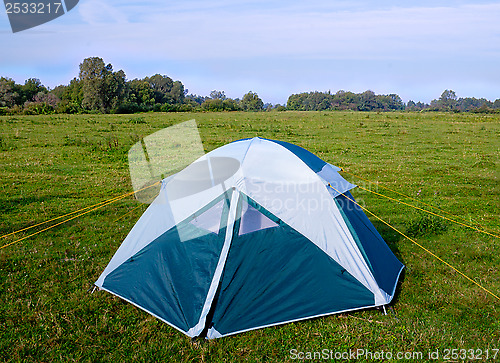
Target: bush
[(214, 105), (426, 225), (166, 107), (217, 104), (230, 105), (128, 107), (15, 110), (185, 107), (68, 107), (37, 108)]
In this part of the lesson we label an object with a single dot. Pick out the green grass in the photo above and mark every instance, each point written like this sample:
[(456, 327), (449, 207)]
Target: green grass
[(52, 165)]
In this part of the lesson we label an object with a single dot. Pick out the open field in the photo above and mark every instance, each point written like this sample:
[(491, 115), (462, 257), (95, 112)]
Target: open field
[(53, 165)]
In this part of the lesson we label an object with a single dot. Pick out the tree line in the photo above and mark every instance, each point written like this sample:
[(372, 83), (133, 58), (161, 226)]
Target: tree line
[(100, 89), (369, 101), (342, 100)]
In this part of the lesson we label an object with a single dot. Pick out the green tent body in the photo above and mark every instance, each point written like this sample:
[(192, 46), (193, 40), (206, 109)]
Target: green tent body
[(254, 234)]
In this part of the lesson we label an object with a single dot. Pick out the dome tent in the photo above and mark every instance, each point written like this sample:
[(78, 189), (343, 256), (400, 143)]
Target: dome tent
[(252, 235)]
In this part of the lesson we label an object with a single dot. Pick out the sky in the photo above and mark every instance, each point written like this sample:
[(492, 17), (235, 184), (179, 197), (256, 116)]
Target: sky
[(415, 49)]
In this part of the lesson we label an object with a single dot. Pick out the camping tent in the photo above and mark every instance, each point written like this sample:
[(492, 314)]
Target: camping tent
[(253, 234)]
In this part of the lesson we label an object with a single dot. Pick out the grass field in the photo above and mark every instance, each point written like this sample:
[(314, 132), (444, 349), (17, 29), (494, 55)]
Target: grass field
[(53, 165)]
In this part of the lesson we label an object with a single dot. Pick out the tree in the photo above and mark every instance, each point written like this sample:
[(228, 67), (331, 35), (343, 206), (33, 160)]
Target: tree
[(59, 91), (71, 97), (296, 102), (230, 105), (251, 102), (217, 104), (161, 86), (218, 95), (177, 93), (140, 93), (102, 88), (195, 99), (92, 73), (312, 101), (390, 102), (367, 101), (9, 92), (166, 91), (30, 89), (213, 105), (411, 105), (41, 104), (74, 92), (47, 98), (448, 100), (318, 101), (421, 106), (472, 103), (114, 89), (345, 100)]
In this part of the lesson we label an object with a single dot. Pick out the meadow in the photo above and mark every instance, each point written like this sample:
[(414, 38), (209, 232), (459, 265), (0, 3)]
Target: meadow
[(55, 164)]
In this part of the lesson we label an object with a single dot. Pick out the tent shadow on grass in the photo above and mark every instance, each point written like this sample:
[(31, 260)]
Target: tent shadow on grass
[(392, 238)]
